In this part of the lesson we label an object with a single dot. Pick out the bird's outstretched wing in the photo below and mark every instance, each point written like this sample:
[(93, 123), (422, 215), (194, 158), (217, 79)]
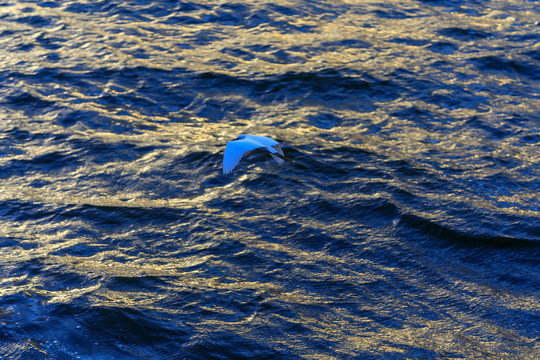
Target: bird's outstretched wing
[(279, 158), (262, 140), (269, 144), (234, 151)]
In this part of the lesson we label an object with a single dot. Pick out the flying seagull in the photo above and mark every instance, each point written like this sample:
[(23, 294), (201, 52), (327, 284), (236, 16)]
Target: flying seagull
[(236, 148)]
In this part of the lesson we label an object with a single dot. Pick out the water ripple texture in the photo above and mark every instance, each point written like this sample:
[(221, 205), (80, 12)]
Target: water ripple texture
[(408, 226)]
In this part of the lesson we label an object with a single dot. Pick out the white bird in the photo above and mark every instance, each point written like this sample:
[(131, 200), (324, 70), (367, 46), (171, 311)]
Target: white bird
[(236, 148)]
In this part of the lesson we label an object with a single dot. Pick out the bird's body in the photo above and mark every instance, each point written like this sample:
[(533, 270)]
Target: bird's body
[(236, 148)]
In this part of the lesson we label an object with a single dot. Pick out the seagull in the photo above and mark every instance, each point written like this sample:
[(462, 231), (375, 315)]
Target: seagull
[(236, 148)]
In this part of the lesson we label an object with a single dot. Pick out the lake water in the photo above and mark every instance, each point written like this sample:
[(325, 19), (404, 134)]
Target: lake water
[(408, 226)]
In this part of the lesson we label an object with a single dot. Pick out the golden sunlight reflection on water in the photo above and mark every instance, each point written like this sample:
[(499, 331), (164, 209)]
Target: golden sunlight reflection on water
[(413, 130)]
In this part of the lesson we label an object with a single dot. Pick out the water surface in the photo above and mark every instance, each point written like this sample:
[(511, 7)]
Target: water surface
[(408, 226)]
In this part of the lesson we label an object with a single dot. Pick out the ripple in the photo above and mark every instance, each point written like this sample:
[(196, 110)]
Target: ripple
[(507, 67)]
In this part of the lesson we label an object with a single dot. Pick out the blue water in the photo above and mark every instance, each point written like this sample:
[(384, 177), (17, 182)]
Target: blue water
[(408, 226)]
